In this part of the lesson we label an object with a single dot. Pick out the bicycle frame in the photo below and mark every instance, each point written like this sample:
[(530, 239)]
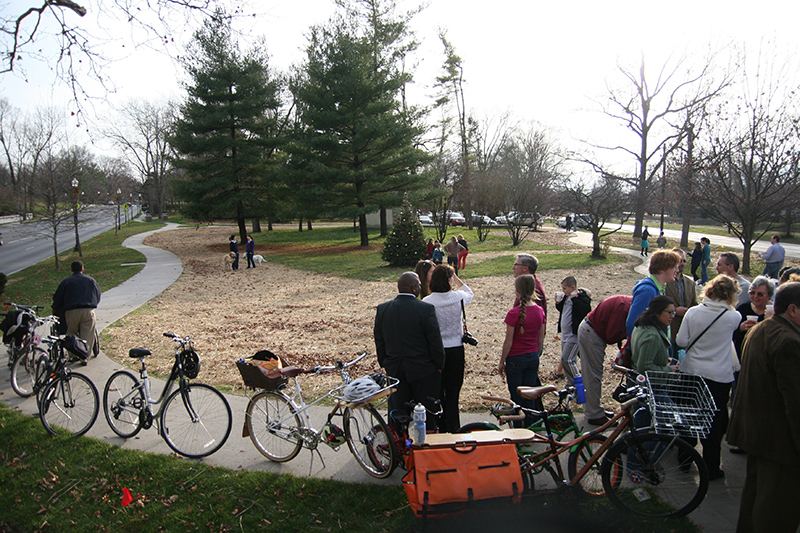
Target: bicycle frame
[(312, 437), (176, 374)]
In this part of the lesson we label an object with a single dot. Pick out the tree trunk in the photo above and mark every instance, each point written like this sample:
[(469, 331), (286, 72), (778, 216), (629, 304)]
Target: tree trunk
[(269, 225), (309, 225), (362, 224), (685, 230), (242, 230), (300, 225), (384, 225), (256, 225), (596, 245)]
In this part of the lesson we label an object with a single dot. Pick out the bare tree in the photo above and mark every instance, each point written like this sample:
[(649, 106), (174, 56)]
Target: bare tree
[(600, 203), (142, 132), (48, 32), (751, 157), (531, 164), (25, 140), (655, 111)]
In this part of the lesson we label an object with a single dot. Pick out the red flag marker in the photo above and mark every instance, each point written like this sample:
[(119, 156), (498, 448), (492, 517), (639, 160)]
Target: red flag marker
[(126, 496)]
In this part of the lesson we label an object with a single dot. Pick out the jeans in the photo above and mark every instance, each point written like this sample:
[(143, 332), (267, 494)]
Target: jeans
[(452, 380), (523, 369), (771, 270), (704, 272)]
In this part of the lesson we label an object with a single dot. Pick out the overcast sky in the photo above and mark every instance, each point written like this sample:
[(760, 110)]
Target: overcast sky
[(542, 61)]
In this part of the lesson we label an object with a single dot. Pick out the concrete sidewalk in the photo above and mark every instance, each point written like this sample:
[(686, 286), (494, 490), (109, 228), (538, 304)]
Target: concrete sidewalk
[(717, 513)]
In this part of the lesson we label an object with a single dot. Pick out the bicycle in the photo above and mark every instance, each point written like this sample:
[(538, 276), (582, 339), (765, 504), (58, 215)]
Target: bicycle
[(68, 400), (24, 373), (561, 422), (279, 425), (194, 419), (644, 471), (18, 330)]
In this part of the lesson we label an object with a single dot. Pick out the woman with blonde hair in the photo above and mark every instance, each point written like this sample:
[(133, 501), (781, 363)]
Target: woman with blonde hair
[(519, 361), (707, 332)]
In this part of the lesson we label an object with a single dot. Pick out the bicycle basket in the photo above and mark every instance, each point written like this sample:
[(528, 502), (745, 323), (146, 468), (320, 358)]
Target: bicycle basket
[(680, 404), (76, 346), (255, 378), (190, 362)]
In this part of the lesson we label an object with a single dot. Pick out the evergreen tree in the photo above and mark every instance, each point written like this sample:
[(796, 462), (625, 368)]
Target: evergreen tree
[(405, 246), (228, 133), (359, 142)]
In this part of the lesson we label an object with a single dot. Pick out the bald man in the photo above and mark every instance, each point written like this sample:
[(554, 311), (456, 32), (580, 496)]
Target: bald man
[(409, 347)]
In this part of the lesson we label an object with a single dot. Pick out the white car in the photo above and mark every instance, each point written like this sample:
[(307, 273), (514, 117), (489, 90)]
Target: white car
[(457, 219), (425, 220)]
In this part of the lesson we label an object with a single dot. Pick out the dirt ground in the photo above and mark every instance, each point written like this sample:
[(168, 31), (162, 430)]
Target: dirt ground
[(310, 319)]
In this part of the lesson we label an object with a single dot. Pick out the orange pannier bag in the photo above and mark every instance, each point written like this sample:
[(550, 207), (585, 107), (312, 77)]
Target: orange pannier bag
[(446, 480)]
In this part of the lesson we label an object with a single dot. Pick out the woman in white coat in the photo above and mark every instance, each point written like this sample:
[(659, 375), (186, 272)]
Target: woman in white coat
[(707, 331), (448, 312)]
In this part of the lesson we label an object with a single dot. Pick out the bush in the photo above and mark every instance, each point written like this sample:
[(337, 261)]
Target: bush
[(405, 246)]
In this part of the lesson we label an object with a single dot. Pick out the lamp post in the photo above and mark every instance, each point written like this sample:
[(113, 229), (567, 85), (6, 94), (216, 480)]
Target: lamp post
[(75, 216), (119, 222)]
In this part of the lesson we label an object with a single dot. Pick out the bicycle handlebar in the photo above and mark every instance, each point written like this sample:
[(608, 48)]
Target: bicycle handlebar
[(321, 369)]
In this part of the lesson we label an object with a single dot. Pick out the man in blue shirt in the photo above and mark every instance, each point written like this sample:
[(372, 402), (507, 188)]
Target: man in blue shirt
[(663, 266), (774, 257)]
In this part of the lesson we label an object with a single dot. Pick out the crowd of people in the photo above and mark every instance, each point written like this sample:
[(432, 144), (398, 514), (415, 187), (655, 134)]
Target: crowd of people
[(734, 337)]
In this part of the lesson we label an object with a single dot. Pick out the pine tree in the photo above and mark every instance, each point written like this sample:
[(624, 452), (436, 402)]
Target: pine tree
[(405, 246)]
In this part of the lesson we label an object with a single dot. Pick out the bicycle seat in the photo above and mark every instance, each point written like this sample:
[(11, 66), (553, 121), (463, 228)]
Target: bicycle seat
[(291, 371), (138, 353), (531, 393)]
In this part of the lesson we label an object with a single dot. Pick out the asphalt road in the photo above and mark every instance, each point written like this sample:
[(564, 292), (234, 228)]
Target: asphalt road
[(27, 243)]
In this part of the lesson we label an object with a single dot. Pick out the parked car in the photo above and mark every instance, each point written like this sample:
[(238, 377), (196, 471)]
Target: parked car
[(501, 219), (482, 219), (425, 220), (582, 221), (457, 219)]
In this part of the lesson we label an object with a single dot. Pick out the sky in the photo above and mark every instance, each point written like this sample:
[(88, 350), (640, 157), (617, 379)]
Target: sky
[(548, 62)]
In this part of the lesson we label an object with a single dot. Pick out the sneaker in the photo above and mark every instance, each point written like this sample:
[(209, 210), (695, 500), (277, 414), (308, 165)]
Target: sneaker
[(599, 421), (719, 474)]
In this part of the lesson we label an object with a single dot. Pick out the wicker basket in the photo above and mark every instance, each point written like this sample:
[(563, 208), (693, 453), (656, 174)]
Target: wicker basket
[(254, 378), (680, 404)]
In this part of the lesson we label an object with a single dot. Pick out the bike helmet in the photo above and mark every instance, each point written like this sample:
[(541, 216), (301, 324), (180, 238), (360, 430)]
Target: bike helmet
[(190, 362), (360, 389), (333, 435)]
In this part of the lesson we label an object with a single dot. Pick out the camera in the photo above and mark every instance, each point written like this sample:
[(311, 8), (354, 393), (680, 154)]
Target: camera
[(469, 339)]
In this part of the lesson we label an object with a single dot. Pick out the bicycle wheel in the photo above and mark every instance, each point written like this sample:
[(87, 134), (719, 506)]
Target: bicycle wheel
[(23, 375), (273, 424), (197, 425), (591, 482), (654, 475), (69, 403), (123, 402), (370, 440)]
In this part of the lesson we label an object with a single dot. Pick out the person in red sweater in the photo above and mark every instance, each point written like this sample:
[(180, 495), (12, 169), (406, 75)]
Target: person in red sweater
[(604, 325)]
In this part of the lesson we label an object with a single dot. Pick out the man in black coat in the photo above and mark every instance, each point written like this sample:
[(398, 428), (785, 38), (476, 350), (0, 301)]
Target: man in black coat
[(409, 347), (76, 298)]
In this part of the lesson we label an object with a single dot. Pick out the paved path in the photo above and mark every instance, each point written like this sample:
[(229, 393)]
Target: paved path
[(717, 513)]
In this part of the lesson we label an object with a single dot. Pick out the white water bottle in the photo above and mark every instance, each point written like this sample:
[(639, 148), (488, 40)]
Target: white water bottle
[(418, 434)]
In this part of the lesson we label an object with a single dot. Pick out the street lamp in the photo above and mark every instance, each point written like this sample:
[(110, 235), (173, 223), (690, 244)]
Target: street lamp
[(119, 222), (75, 216)]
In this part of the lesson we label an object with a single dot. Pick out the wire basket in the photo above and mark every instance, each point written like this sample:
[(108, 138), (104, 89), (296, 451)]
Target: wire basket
[(680, 404)]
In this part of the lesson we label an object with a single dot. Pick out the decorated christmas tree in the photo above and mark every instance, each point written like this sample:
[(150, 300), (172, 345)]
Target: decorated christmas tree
[(406, 244)]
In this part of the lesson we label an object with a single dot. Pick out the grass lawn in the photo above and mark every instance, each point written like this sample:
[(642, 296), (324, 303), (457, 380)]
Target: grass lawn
[(336, 251), (67, 484)]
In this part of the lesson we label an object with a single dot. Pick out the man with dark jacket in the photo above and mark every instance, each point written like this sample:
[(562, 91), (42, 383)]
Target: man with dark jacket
[(409, 346), (683, 292), (602, 326), (573, 306), (765, 420), (76, 298)]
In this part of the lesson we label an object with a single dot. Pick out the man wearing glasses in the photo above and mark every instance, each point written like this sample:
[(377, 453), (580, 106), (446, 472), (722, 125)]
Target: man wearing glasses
[(683, 292)]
